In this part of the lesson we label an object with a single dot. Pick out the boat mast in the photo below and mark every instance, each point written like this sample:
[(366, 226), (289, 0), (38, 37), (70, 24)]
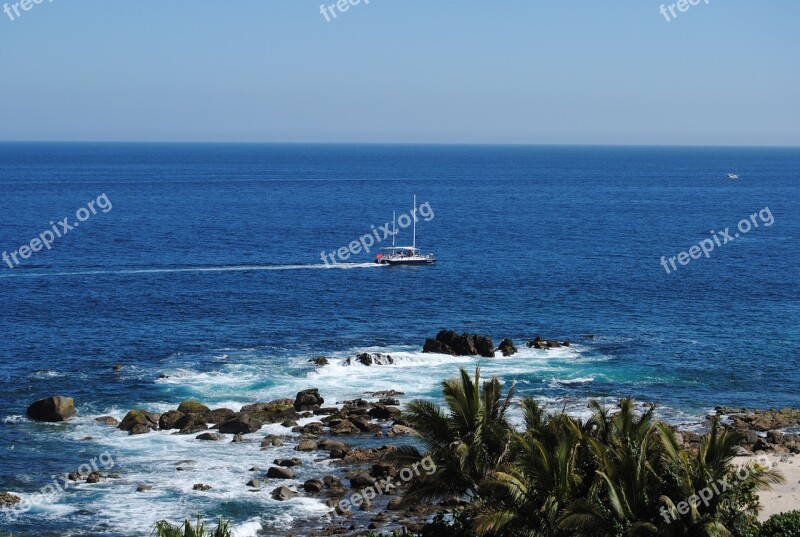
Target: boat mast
[(414, 214), (394, 232)]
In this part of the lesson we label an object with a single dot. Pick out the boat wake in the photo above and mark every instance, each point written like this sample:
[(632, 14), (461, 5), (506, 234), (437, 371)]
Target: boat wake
[(172, 270)]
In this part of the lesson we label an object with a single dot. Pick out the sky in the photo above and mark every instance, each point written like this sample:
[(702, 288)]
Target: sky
[(724, 72)]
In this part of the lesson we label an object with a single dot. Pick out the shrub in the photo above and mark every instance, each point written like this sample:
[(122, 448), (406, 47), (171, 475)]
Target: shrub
[(782, 525), (165, 529)]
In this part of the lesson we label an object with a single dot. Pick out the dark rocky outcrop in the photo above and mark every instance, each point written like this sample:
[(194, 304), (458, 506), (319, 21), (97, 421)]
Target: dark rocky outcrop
[(360, 480), (272, 412), (448, 342), (761, 420), (307, 445), (287, 463), (139, 421), (371, 359), (201, 487), (308, 400), (320, 361), (507, 347), (52, 409), (242, 423), (192, 423), (539, 343)]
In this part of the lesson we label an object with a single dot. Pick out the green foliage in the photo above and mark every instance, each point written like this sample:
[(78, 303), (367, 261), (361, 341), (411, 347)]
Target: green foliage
[(618, 474), (782, 525), (165, 529)]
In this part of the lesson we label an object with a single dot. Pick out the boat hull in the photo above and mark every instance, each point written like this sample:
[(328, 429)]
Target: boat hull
[(409, 262)]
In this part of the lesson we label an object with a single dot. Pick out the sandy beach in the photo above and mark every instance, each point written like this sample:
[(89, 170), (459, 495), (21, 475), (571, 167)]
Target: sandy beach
[(784, 497)]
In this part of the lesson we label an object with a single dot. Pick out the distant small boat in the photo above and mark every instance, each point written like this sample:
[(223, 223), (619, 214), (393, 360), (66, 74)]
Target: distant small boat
[(734, 174), (404, 255)]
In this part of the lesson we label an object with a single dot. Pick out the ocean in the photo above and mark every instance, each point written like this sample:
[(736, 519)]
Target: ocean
[(199, 268)]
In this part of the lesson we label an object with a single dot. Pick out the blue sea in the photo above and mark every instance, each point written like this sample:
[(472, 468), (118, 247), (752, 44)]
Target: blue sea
[(204, 279)]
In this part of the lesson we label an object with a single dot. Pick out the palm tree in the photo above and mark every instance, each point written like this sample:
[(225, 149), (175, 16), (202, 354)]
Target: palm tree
[(727, 500), (466, 440), (623, 499), (547, 472)]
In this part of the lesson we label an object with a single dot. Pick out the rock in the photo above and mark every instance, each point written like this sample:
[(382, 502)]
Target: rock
[(400, 430), (118, 367), (371, 359), (381, 412), (344, 427), (108, 420), (271, 441), (539, 343), (170, 419), (360, 480), (308, 400), (214, 437), (282, 494), (276, 472), (288, 463), (254, 483), (242, 423), (139, 421), (313, 486), (94, 477), (193, 407), (219, 415), (237, 439), (382, 470), (201, 487), (764, 420), (192, 423), (387, 393), (320, 361), (364, 425), (761, 445), (448, 342), (307, 445), (507, 347), (272, 412), (289, 423), (52, 409), (6, 498), (314, 428), (395, 504), (144, 488)]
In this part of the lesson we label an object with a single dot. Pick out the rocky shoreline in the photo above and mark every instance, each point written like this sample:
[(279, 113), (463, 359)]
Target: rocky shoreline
[(329, 432)]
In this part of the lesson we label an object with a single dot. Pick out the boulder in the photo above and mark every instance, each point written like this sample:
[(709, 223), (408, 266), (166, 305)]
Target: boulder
[(108, 420), (193, 407), (219, 415), (52, 409), (271, 441), (192, 423), (272, 412), (308, 400), (276, 472), (395, 504), (93, 477), (313, 486), (381, 412), (214, 437), (287, 463), (507, 347), (307, 445), (170, 419), (544, 344), (254, 483), (242, 423), (283, 493), (360, 480), (144, 488), (401, 430), (448, 342), (201, 487), (320, 361), (139, 421), (6, 498)]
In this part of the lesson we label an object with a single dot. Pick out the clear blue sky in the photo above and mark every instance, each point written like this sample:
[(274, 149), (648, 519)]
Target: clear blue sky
[(503, 71)]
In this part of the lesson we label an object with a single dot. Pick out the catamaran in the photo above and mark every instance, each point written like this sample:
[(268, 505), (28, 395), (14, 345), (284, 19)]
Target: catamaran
[(734, 174), (404, 255)]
